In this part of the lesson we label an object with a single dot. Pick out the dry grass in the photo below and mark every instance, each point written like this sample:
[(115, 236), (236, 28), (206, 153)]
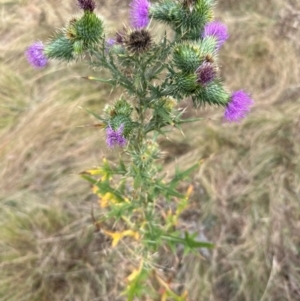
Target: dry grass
[(247, 190)]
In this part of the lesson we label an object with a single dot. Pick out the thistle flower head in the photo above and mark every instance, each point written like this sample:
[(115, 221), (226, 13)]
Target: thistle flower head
[(238, 106), (109, 43), (115, 138), (35, 55), (139, 13), (138, 41), (206, 73), (88, 5), (218, 30)]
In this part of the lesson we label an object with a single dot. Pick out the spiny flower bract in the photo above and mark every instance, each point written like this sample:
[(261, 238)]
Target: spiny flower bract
[(218, 30), (35, 55), (115, 138), (238, 106), (139, 13)]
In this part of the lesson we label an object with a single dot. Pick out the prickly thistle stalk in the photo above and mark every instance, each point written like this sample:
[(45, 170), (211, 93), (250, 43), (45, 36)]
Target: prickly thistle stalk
[(156, 72)]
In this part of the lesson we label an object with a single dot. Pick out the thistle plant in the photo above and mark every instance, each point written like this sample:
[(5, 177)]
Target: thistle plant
[(140, 205)]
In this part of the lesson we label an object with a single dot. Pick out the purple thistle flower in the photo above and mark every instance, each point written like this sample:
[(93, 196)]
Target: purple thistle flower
[(206, 73), (120, 37), (109, 43), (238, 106), (218, 30), (139, 13), (35, 55), (114, 138), (87, 5)]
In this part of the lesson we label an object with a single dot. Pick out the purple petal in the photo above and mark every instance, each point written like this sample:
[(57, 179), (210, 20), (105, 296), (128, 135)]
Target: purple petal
[(217, 30), (139, 13), (238, 106), (35, 55), (115, 138), (206, 73), (109, 43)]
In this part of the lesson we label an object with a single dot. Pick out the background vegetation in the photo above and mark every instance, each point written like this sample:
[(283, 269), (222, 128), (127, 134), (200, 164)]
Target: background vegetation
[(246, 194)]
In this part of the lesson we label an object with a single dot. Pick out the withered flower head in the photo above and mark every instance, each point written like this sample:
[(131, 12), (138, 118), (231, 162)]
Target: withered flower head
[(138, 41)]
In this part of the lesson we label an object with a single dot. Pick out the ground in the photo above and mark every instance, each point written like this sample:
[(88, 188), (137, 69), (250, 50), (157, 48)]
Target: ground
[(247, 191)]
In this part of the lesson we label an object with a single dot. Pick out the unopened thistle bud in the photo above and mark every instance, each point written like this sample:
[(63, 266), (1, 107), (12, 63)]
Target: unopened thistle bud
[(89, 28), (206, 73), (187, 57), (186, 17), (211, 94), (117, 120), (186, 83), (60, 48), (122, 107), (138, 41), (87, 5)]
